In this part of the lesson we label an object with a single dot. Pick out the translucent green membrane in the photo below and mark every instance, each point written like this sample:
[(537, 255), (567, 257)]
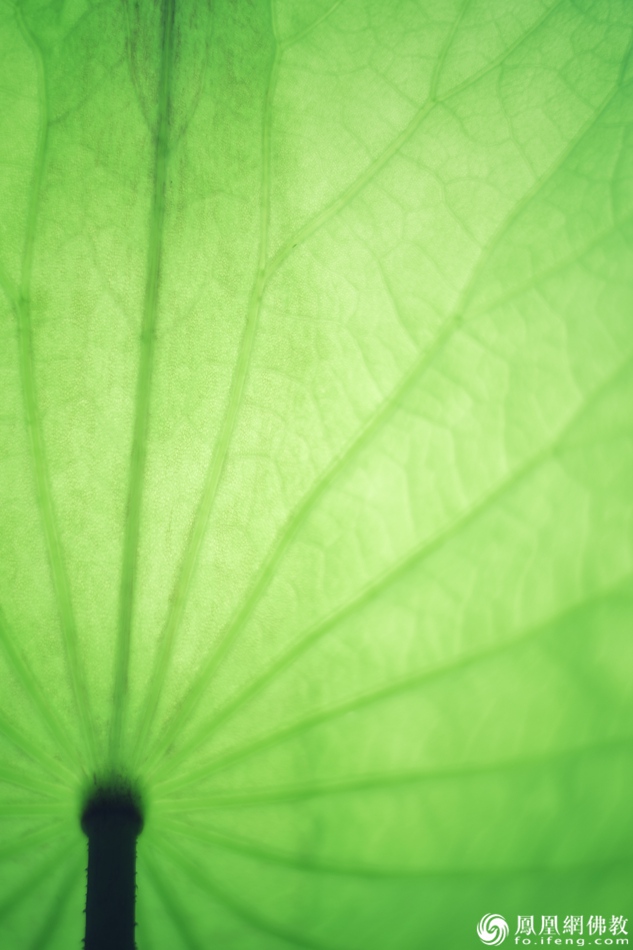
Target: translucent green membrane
[(316, 404)]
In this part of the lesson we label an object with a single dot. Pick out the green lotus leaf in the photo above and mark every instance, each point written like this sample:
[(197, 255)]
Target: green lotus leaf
[(316, 468)]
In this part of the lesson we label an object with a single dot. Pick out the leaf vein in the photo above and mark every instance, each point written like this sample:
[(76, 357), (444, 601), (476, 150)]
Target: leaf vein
[(350, 452), (32, 414)]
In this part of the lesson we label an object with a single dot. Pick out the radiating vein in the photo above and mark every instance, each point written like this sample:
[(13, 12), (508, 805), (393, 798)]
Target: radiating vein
[(305, 643), (310, 863), (377, 421), (33, 417), (27, 746), (381, 781), (285, 537), (408, 562), (265, 270), (329, 866), (35, 692), (144, 380), (238, 907), (51, 831), (13, 776), (25, 889), (171, 903), (58, 903), (218, 459), (195, 831)]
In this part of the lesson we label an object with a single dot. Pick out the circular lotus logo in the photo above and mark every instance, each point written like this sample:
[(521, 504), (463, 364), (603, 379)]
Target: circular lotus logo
[(492, 930)]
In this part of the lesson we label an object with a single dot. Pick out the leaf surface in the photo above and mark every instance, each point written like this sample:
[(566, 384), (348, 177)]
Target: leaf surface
[(315, 492)]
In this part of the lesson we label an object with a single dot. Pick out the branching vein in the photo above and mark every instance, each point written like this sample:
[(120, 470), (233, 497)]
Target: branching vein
[(407, 563), (144, 381), (33, 416), (351, 451)]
